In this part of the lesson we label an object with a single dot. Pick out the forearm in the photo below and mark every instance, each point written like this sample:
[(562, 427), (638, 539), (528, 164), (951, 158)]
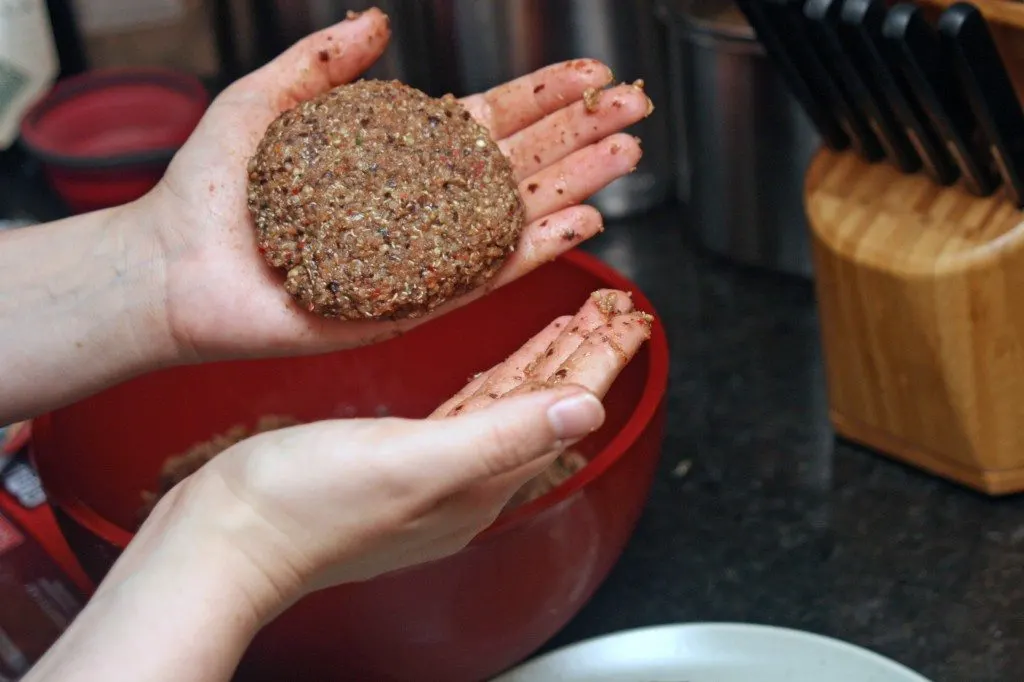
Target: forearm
[(155, 629), (81, 308), (174, 608)]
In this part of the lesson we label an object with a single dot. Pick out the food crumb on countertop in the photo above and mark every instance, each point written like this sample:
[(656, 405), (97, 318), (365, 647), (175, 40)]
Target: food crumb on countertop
[(681, 469)]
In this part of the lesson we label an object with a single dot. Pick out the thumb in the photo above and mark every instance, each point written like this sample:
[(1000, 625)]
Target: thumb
[(322, 60), (500, 438)]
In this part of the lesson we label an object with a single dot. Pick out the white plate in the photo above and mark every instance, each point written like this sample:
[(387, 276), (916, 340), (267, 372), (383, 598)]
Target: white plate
[(711, 652)]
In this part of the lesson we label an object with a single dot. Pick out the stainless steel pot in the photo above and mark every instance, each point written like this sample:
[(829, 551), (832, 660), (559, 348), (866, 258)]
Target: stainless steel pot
[(743, 142), (464, 46)]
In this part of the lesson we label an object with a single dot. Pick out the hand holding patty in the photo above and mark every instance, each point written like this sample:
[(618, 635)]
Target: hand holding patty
[(221, 298)]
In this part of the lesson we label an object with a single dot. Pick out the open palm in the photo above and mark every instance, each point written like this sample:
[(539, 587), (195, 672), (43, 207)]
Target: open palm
[(224, 301)]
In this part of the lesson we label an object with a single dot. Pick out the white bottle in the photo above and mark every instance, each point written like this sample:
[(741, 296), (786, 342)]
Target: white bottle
[(28, 61)]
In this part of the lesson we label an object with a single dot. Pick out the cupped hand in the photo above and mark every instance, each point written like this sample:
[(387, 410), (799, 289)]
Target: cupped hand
[(222, 300), (291, 511)]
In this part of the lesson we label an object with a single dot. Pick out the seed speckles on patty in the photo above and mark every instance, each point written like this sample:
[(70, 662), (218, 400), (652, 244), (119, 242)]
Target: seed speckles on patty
[(380, 202)]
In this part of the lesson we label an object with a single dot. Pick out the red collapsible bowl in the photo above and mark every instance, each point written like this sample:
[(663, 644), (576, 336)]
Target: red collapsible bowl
[(105, 137), (462, 618)]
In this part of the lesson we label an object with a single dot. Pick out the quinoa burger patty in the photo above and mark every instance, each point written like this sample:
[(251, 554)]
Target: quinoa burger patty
[(381, 202)]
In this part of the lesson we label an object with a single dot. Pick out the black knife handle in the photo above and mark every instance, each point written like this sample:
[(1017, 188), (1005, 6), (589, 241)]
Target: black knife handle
[(789, 25), (815, 106), (964, 35), (823, 27), (914, 49), (860, 29)]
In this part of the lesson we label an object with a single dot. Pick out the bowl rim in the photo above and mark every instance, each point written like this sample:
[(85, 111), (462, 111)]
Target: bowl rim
[(69, 88), (643, 414)]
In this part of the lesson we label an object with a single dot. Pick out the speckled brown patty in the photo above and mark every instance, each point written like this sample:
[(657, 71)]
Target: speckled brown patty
[(381, 202)]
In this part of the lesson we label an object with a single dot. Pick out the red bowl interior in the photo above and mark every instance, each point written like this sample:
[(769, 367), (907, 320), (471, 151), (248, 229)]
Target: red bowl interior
[(465, 617), (106, 136)]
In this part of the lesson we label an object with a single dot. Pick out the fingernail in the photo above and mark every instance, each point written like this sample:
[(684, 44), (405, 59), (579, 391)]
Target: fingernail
[(576, 416)]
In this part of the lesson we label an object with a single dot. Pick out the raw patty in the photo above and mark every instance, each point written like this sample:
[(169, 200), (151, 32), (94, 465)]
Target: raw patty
[(381, 202), (178, 468)]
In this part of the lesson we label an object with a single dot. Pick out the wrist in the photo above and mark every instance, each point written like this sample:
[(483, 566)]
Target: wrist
[(177, 605), (202, 534), (143, 279), (82, 307)]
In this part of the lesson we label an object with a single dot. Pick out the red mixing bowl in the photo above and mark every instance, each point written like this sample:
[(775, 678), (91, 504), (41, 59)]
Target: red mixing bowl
[(463, 618), (105, 137)]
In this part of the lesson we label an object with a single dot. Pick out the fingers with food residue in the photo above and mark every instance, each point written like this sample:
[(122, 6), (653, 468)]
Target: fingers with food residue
[(510, 107), (573, 127), (579, 175), (322, 60), (597, 362), (464, 393), (513, 365), (537, 364), (589, 349), (601, 307), (545, 239)]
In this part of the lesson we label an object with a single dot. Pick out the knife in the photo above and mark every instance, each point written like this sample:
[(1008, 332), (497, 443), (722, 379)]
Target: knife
[(813, 101), (860, 31), (964, 35), (789, 24), (823, 28), (913, 48)]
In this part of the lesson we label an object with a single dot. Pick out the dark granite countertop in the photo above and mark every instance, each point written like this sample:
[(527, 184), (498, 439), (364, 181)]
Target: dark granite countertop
[(776, 521)]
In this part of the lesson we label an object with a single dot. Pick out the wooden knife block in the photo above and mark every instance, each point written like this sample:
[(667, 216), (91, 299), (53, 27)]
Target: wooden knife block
[(921, 300), (920, 292)]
